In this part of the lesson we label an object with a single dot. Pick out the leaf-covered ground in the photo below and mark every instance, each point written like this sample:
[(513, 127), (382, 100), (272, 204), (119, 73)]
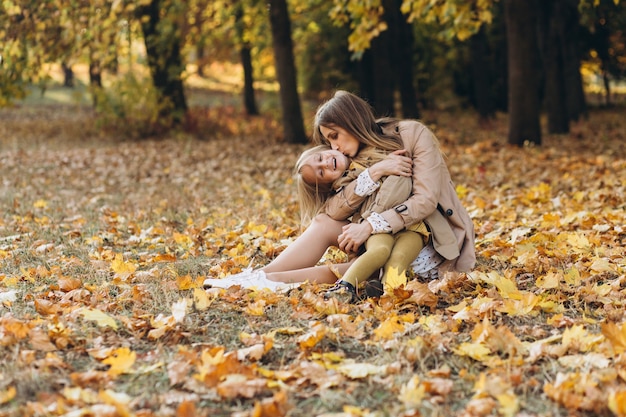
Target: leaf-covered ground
[(104, 246)]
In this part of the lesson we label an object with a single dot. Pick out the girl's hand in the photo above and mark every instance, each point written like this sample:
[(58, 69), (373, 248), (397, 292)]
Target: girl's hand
[(396, 163), (353, 236)]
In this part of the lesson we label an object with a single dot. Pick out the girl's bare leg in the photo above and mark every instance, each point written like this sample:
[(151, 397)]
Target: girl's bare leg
[(308, 248)]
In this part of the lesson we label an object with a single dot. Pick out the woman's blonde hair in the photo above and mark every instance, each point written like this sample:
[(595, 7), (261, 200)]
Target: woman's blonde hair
[(355, 115)]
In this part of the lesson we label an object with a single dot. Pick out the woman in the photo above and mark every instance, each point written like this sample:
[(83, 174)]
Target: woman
[(347, 123)]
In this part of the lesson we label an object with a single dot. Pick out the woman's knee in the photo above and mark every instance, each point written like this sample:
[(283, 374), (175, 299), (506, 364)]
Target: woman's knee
[(325, 222)]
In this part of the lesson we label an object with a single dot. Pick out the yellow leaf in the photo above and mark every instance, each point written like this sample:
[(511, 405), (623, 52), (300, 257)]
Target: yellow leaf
[(121, 360), (186, 283), (572, 277), (183, 240), (256, 308), (576, 337), (617, 403), (578, 241), (122, 269), (616, 335), (394, 279), (310, 339), (506, 286), (548, 281), (412, 393), (525, 304), (388, 328), (201, 299), (461, 190), (477, 351), (509, 404), (601, 265), (40, 204), (351, 411), (7, 395), (433, 323), (99, 316), (76, 394)]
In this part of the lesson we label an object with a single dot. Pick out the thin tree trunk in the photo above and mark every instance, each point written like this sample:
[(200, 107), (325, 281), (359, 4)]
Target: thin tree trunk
[(365, 76), (404, 64), (607, 87), (200, 57), (164, 57), (521, 23), (95, 79), (481, 76), (282, 43), (550, 25), (383, 49), (574, 92), (602, 44), (249, 100), (246, 62), (68, 75)]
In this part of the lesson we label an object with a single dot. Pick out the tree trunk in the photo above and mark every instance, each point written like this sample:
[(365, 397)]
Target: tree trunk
[(550, 29), (521, 23), (481, 79), (248, 82), (403, 34), (293, 124), (574, 92), (164, 59), (602, 44), (365, 76), (249, 101), (68, 75), (95, 74), (95, 78), (200, 57), (383, 49)]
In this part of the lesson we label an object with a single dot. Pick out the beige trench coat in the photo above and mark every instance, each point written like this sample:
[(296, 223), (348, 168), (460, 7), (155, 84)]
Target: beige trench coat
[(433, 200)]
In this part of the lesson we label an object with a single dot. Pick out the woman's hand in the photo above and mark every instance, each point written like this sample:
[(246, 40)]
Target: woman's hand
[(396, 163), (353, 236)]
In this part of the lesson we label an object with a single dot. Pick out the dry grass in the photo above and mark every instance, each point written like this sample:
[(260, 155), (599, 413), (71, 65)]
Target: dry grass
[(180, 209)]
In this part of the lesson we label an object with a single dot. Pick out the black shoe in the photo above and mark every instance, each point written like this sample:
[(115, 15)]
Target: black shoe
[(343, 292), (373, 288)]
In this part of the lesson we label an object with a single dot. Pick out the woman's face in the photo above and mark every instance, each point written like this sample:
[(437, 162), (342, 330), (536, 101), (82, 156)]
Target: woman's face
[(341, 140), (324, 167)]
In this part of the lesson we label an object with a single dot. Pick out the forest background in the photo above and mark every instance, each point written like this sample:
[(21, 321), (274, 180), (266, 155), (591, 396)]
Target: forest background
[(147, 145)]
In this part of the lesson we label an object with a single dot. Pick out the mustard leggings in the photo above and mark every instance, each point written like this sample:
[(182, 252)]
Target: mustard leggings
[(394, 253)]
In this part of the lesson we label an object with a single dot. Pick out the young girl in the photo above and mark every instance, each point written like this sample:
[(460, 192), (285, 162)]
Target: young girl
[(322, 166)]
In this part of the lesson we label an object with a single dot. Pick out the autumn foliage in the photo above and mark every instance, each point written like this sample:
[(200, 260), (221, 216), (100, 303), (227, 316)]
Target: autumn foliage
[(104, 246)]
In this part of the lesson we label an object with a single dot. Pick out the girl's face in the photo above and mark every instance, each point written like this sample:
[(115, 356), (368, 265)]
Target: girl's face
[(341, 140), (324, 167)]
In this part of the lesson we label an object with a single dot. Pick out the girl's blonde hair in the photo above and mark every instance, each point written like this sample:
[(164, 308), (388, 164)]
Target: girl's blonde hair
[(356, 116), (310, 196)]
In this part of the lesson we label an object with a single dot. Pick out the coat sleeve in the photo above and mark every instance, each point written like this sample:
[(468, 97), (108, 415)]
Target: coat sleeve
[(345, 203), (429, 174)]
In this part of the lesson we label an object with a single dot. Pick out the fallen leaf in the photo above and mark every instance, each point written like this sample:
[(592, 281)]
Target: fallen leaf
[(121, 360)]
